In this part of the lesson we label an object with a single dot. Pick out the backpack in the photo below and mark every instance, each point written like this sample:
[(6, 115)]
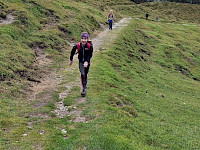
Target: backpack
[(110, 15), (79, 45)]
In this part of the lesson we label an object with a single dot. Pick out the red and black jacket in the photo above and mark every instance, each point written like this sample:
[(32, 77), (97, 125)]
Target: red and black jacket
[(84, 53)]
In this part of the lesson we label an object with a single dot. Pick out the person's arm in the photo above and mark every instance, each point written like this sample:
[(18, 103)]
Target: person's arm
[(108, 18), (72, 54), (89, 56)]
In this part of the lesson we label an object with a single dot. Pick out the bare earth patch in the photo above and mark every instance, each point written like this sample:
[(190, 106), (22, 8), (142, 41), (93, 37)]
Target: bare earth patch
[(50, 80), (8, 20), (99, 42)]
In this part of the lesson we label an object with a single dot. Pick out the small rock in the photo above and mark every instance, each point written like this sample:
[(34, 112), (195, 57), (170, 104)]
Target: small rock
[(63, 131), (41, 132), (164, 145), (65, 137), (24, 134)]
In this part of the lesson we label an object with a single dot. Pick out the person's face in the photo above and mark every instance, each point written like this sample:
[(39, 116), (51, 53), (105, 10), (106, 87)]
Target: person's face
[(83, 40)]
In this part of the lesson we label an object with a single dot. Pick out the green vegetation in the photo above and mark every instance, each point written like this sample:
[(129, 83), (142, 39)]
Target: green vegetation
[(44, 26), (143, 90), (172, 12)]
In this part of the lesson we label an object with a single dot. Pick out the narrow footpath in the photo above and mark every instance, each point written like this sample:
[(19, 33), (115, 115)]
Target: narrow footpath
[(99, 42), (68, 78)]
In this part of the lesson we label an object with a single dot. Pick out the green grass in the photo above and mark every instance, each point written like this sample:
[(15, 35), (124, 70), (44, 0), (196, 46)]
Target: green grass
[(66, 20), (143, 90), (171, 12), (139, 89), (72, 96), (17, 60)]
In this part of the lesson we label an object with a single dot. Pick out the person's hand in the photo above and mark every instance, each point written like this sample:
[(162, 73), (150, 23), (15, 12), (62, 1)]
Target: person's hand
[(70, 63), (85, 64)]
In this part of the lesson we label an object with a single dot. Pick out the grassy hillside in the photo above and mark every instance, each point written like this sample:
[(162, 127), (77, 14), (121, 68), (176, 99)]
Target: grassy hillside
[(45, 26), (143, 90), (171, 12), (40, 27)]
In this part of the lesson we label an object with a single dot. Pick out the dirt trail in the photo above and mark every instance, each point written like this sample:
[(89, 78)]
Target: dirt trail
[(42, 91), (105, 37), (99, 42), (8, 20)]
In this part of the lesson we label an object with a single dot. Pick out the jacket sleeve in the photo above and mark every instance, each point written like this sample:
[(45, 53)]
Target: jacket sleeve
[(89, 56), (73, 52)]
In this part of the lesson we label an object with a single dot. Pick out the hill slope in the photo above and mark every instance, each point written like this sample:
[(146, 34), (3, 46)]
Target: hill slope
[(44, 27), (143, 90)]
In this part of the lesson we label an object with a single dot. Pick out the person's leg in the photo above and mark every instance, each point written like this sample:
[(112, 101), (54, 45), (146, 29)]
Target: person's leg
[(111, 25), (86, 76), (84, 73)]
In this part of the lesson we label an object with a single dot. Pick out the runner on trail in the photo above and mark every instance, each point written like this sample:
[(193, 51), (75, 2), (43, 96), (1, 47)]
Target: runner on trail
[(110, 19), (85, 50)]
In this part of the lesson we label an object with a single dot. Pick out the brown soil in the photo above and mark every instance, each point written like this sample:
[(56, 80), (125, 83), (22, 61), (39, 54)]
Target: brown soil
[(99, 42), (42, 91), (8, 20)]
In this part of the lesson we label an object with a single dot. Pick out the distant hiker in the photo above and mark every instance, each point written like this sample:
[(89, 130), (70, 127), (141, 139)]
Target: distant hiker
[(110, 19), (147, 15), (84, 49), (156, 18)]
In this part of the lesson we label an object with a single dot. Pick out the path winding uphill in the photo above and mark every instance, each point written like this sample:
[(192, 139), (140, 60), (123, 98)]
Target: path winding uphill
[(43, 90), (99, 42), (103, 38)]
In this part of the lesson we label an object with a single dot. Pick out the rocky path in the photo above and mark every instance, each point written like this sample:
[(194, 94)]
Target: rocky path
[(99, 42), (42, 91)]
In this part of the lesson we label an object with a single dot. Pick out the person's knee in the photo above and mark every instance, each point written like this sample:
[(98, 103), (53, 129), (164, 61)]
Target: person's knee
[(82, 75)]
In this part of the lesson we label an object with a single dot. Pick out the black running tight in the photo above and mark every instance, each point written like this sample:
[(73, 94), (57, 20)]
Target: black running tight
[(84, 73)]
